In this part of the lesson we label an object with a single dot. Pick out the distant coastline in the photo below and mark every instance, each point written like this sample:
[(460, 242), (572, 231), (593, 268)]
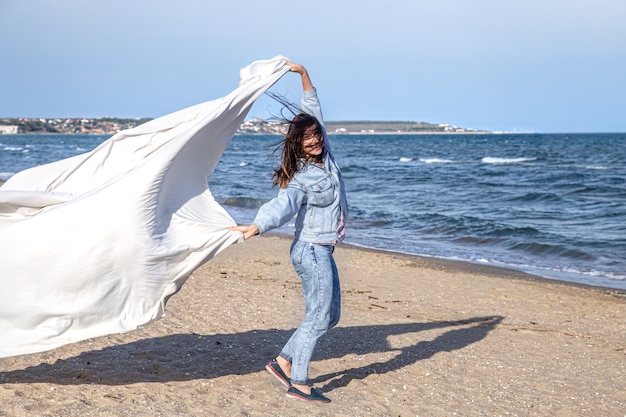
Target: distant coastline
[(111, 125), (81, 126), (395, 127)]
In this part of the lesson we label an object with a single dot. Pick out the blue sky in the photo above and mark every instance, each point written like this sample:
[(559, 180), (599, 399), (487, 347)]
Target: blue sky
[(538, 65)]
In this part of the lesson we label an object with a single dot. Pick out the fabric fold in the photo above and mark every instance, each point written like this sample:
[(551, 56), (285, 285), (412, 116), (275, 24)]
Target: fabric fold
[(96, 244)]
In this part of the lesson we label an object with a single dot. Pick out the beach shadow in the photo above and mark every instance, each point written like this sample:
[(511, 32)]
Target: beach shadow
[(470, 331), (184, 357)]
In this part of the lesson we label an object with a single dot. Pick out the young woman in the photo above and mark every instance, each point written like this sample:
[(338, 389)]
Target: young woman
[(311, 187)]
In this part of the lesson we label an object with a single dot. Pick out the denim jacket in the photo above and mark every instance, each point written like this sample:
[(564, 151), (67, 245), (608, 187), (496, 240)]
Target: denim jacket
[(315, 194)]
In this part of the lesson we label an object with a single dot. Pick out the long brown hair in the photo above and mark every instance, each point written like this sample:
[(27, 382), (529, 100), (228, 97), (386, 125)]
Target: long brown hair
[(292, 154)]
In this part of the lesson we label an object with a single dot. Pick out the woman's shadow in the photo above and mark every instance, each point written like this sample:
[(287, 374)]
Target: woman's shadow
[(464, 334), (182, 357)]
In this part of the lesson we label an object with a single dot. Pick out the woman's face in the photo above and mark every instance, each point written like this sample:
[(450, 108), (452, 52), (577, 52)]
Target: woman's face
[(312, 144)]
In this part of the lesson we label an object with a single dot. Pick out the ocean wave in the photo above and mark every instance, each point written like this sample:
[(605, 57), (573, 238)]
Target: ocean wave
[(473, 229), (606, 190), (404, 159), (559, 251), (354, 168), (504, 161), (472, 240), (537, 197), (245, 202), (560, 273)]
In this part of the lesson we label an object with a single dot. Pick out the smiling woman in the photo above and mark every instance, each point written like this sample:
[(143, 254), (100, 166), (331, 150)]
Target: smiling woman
[(313, 144), (312, 189)]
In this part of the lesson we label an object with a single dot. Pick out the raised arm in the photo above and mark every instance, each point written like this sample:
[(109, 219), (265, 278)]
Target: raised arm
[(310, 102)]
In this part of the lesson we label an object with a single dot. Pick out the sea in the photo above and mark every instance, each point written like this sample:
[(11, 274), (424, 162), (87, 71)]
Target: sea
[(553, 205)]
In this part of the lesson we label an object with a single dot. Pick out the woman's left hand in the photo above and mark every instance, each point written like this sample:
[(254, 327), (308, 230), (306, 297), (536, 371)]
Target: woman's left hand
[(248, 231)]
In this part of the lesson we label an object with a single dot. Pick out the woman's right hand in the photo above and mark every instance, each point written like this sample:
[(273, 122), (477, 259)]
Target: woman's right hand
[(293, 67), (306, 80)]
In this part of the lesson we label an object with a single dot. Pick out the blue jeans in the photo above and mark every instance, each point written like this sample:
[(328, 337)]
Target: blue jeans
[(316, 267)]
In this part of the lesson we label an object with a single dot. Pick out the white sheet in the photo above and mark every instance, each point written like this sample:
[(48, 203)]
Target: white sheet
[(96, 243)]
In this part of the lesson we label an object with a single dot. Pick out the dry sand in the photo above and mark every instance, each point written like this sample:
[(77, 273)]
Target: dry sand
[(418, 337)]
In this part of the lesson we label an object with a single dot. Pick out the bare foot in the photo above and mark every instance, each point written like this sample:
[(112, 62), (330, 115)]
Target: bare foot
[(285, 365)]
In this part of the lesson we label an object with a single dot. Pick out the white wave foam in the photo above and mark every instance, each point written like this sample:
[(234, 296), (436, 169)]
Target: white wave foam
[(435, 161), (502, 161), (6, 175), (403, 159), (596, 167)]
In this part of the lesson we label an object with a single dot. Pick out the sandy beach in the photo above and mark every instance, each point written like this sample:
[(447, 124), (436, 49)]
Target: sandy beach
[(418, 337)]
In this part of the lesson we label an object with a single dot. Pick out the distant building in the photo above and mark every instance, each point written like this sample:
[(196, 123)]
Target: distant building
[(8, 129)]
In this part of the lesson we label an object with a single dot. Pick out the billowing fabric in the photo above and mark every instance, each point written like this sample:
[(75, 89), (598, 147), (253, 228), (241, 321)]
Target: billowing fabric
[(95, 244)]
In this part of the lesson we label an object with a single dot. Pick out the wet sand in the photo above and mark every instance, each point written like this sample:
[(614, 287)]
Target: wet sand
[(418, 337)]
